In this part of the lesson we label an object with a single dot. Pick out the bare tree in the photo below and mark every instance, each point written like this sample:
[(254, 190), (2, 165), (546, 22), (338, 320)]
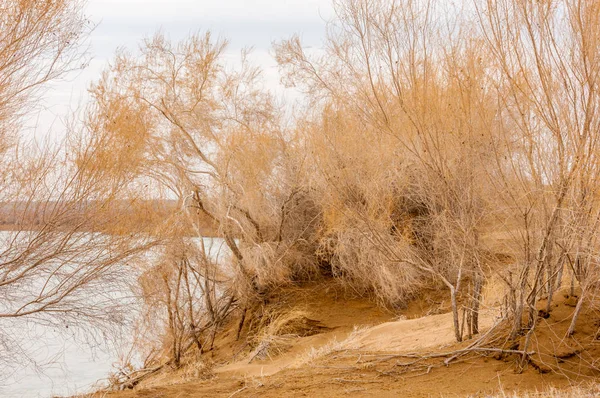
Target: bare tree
[(62, 258), (421, 96), (211, 137), (548, 97)]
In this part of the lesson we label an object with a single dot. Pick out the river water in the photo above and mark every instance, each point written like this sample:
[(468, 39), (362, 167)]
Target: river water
[(63, 366), (72, 368)]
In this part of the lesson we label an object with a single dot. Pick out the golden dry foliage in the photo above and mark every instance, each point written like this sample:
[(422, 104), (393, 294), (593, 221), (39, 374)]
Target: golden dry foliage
[(59, 267), (208, 135), (414, 116), (492, 140), (39, 42), (440, 145)]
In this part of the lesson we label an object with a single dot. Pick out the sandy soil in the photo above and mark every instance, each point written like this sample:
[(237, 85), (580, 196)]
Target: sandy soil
[(350, 358)]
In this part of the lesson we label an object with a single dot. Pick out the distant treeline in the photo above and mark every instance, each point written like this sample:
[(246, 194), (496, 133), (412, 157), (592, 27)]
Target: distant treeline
[(129, 215)]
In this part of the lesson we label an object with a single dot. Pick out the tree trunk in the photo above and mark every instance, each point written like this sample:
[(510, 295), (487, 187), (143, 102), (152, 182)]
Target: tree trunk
[(578, 307), (519, 305), (455, 315), (241, 325), (475, 305)]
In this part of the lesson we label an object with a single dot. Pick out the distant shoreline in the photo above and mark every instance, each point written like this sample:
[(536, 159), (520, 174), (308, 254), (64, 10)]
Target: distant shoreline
[(38, 227)]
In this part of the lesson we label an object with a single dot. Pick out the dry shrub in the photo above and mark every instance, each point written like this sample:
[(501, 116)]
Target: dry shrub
[(277, 264), (359, 179), (263, 261), (288, 252), (366, 257)]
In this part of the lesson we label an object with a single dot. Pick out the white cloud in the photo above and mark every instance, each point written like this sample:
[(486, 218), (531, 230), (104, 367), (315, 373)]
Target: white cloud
[(231, 9), (124, 23)]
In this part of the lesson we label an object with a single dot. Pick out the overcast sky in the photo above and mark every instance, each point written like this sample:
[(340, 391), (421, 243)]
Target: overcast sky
[(124, 23)]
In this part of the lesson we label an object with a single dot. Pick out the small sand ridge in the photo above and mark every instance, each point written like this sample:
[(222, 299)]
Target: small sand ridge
[(401, 336), (348, 354), (416, 334)]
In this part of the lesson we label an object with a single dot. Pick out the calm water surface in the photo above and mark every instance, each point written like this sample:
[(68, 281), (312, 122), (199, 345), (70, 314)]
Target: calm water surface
[(76, 368)]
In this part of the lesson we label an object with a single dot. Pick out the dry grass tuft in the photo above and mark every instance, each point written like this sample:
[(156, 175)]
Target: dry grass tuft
[(587, 391), (278, 330), (349, 343), (202, 370)]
